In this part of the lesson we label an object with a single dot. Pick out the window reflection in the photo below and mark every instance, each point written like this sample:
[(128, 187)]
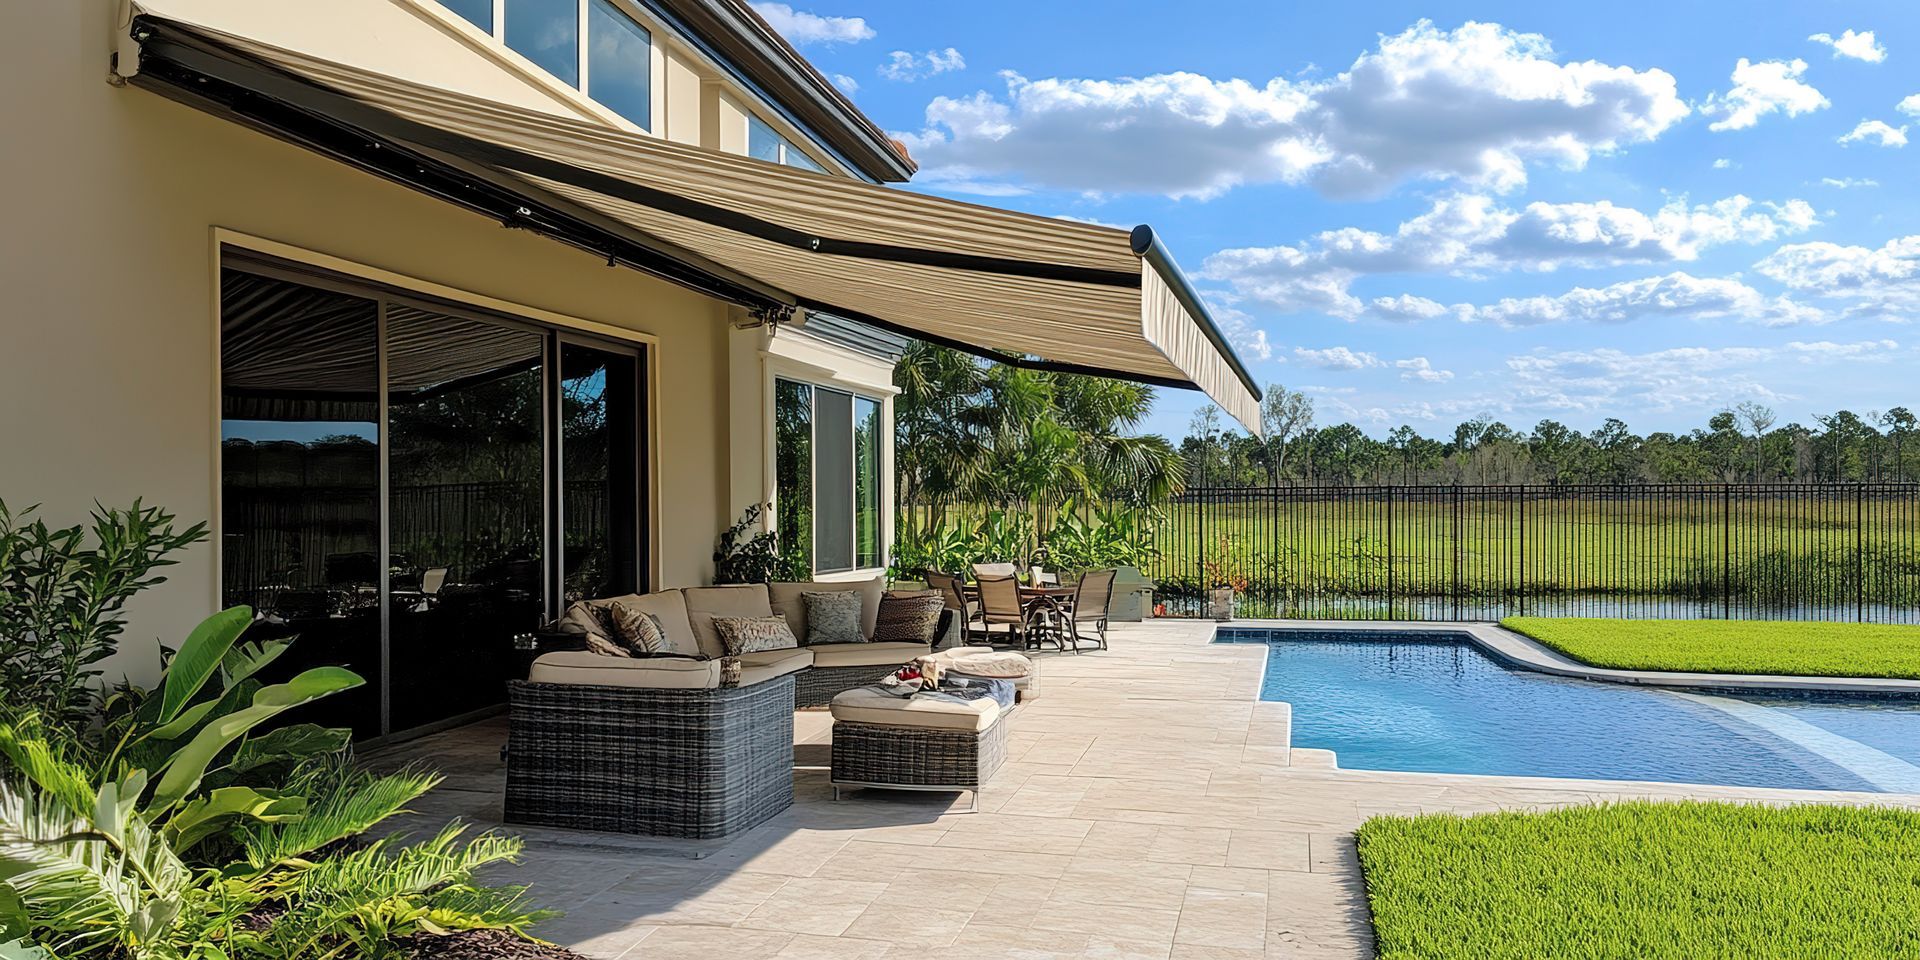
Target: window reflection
[(300, 480), (793, 472), (866, 481), (477, 12), (620, 63), (548, 33), (599, 412), (467, 508)]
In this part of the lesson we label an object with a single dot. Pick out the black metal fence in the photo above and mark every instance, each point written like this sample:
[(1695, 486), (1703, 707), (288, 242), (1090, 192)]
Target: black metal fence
[(1794, 552)]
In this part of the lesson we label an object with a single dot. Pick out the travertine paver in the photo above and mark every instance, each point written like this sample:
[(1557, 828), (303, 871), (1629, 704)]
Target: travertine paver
[(1151, 808)]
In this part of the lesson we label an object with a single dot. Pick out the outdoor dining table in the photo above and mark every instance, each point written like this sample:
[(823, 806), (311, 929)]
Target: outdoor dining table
[(1047, 600)]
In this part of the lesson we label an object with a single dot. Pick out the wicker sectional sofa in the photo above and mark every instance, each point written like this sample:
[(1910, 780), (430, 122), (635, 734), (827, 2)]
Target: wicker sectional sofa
[(676, 746)]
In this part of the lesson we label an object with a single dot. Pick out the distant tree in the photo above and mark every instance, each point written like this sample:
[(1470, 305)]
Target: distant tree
[(1757, 419), (1284, 414), (1553, 447), (1900, 423)]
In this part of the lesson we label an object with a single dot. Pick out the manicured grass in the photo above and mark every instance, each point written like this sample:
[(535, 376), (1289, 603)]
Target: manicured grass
[(1737, 646), (1646, 881)]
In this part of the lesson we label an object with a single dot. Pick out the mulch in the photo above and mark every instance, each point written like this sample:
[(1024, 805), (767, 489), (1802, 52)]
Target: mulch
[(480, 945)]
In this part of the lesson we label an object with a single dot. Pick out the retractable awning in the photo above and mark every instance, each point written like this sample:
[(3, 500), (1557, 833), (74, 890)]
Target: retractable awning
[(1029, 290)]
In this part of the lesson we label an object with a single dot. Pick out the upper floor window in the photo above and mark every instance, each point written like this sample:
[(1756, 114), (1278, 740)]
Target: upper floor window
[(766, 143), (592, 45)]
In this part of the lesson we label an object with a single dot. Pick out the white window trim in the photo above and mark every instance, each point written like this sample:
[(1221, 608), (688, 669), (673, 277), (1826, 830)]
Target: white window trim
[(811, 367), (493, 46)]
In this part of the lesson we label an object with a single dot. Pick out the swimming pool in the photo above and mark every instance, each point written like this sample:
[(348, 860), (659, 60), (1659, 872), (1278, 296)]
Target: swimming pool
[(1431, 701)]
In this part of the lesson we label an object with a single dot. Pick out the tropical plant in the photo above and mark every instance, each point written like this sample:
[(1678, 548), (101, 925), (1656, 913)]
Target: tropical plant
[(176, 828), (61, 596), (749, 553)]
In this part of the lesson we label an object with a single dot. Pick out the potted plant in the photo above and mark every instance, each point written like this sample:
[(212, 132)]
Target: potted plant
[(1225, 580)]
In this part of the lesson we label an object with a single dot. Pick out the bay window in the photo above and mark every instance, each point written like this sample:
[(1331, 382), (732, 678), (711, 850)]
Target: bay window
[(828, 453)]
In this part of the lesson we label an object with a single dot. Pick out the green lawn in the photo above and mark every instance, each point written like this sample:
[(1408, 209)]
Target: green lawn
[(1722, 646), (1646, 881)]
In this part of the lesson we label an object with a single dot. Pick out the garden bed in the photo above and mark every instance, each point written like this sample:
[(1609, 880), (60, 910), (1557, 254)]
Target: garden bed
[(480, 945), (1649, 881), (1733, 646)]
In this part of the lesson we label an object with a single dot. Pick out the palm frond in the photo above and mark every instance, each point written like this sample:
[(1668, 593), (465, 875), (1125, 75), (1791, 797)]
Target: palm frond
[(355, 804), (83, 885)]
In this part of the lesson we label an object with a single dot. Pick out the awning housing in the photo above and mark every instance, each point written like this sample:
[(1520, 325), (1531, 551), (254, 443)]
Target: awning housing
[(1029, 290)]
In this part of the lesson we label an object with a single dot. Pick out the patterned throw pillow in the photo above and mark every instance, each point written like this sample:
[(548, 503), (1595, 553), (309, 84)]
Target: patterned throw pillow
[(641, 632), (605, 647), (592, 618), (909, 617), (833, 617), (744, 635)]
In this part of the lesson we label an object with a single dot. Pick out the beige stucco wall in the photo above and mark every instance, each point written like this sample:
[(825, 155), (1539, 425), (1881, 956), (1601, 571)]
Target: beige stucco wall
[(107, 337)]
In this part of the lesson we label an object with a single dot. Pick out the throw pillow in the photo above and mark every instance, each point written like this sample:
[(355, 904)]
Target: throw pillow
[(605, 647), (591, 618), (642, 632), (909, 617), (833, 617), (744, 635)]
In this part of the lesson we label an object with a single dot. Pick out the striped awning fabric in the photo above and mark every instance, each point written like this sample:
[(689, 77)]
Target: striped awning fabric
[(1011, 285)]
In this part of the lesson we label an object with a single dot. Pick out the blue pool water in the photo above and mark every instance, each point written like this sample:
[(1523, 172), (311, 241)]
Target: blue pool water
[(1430, 701)]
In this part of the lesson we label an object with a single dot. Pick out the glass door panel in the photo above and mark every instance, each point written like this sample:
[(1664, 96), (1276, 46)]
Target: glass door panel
[(300, 480), (599, 469), (467, 507)]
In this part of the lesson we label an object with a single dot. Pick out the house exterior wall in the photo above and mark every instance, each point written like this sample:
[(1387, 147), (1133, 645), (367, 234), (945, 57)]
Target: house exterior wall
[(108, 262)]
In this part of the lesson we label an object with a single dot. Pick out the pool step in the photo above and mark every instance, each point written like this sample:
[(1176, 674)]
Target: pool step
[(1306, 758)]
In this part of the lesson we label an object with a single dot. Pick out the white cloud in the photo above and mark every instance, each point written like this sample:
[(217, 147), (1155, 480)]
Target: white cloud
[(1471, 234), (802, 28), (1880, 283), (1762, 88), (1337, 358), (1827, 350), (1407, 308), (1848, 183), (1239, 328), (1723, 164), (847, 85), (1418, 368), (907, 67), (1856, 46), (1910, 106), (1473, 105), (1684, 378), (1877, 130), (1675, 296)]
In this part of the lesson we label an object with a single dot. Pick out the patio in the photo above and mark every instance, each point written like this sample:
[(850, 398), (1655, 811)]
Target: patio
[(1151, 808)]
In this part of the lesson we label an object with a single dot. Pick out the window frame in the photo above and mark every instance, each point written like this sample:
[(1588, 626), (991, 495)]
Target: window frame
[(882, 462), (583, 51), (783, 147)]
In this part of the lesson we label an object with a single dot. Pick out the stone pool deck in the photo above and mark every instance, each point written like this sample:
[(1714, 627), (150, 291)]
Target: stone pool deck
[(1153, 807)]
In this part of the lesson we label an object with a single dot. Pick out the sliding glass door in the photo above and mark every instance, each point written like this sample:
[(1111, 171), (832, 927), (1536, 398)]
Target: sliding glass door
[(408, 485)]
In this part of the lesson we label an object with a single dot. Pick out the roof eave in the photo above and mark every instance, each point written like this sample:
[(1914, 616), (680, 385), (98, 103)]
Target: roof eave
[(746, 41)]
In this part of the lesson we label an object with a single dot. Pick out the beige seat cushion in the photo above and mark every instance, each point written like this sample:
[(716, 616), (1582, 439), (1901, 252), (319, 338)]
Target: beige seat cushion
[(705, 603), (863, 705), (670, 606), (768, 664), (585, 668), (866, 654), (999, 665), (789, 601)]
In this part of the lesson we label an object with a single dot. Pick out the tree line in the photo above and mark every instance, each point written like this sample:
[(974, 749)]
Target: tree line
[(1745, 443)]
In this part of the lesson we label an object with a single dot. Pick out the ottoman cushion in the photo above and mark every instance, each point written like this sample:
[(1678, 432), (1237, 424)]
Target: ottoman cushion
[(866, 705), (999, 666)]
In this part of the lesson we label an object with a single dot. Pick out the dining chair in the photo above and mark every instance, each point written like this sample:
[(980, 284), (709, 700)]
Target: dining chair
[(994, 570), (1000, 605), (1091, 597), (954, 594)]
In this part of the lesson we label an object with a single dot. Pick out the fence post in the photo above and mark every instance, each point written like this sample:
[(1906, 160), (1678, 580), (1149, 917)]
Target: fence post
[(1860, 552), (1456, 551), (1523, 550), (1726, 551), (1392, 491)]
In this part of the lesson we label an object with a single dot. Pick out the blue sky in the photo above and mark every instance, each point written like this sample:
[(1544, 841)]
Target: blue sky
[(1420, 213)]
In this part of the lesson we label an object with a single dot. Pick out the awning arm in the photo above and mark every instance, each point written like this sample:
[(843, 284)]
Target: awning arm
[(1147, 246)]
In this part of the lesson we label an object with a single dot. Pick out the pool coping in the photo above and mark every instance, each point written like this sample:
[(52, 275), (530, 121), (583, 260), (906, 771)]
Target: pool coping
[(1518, 650)]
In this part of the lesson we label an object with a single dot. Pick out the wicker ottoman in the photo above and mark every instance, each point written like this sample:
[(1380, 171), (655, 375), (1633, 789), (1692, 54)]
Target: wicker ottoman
[(670, 763), (891, 743)]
